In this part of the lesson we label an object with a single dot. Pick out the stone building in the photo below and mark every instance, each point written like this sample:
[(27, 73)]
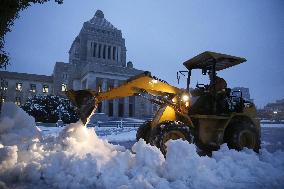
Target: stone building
[(277, 106), (245, 93), (97, 60)]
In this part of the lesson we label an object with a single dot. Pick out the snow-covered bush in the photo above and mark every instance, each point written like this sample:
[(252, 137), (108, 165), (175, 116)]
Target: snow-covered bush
[(50, 108)]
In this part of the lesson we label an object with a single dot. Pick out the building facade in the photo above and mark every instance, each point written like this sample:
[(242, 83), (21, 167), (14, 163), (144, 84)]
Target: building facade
[(18, 87), (97, 61)]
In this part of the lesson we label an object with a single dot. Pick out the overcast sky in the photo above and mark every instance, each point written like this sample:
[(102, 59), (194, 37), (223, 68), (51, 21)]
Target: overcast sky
[(160, 35)]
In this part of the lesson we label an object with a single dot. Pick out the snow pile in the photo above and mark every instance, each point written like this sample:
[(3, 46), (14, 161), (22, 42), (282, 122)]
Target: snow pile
[(77, 158)]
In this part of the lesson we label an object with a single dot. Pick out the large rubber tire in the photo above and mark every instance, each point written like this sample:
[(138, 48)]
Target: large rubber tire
[(242, 134), (169, 130), (144, 131)]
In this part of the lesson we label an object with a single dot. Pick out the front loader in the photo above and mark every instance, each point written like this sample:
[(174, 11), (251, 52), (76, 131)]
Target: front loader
[(203, 116)]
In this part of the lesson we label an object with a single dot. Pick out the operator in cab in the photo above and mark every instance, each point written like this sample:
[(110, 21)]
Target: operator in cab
[(221, 93), (220, 83)]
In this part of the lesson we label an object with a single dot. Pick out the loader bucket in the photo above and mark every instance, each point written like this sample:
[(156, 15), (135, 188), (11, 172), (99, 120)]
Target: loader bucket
[(85, 101)]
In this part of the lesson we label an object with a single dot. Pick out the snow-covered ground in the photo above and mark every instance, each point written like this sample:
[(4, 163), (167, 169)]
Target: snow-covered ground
[(271, 135), (111, 134), (76, 157)]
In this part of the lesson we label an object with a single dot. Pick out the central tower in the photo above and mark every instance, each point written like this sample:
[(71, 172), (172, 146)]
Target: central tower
[(98, 42)]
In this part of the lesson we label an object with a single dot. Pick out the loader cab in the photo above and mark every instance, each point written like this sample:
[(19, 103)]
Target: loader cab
[(210, 98)]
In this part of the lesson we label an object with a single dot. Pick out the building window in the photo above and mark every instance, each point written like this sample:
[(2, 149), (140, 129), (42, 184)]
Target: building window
[(84, 84), (100, 48), (64, 76), (63, 87), (110, 86), (33, 88), (131, 106), (4, 85), (114, 53), (99, 88), (104, 52), (100, 105), (3, 99), (19, 86), (110, 108), (131, 110), (18, 101), (45, 88), (95, 49), (108, 52), (120, 107)]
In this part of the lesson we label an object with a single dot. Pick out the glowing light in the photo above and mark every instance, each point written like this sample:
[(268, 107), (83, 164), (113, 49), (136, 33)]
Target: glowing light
[(275, 112), (185, 98), (154, 81), (187, 104)]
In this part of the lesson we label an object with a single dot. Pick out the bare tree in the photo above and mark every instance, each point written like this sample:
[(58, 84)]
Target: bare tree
[(9, 11)]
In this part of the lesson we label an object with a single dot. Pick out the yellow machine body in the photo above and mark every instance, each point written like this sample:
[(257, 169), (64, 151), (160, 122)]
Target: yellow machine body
[(174, 103)]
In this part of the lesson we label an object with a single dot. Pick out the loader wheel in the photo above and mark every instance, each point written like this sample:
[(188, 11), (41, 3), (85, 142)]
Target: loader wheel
[(144, 131), (242, 134), (169, 130)]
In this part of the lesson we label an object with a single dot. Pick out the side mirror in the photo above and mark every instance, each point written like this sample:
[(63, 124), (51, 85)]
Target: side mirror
[(178, 77)]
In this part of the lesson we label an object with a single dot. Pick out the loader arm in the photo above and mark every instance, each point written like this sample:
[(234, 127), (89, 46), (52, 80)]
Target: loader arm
[(142, 83), (88, 100)]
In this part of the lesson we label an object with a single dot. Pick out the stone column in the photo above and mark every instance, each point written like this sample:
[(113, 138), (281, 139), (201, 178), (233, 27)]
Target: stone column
[(126, 107), (119, 53), (114, 53), (115, 101), (89, 49), (97, 51), (106, 52), (139, 107), (111, 52), (104, 103), (92, 83)]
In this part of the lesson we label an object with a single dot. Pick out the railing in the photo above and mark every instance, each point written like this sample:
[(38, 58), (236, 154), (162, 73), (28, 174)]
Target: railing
[(117, 124), (46, 124), (272, 121)]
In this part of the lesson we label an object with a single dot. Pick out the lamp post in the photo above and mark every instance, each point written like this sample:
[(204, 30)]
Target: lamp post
[(275, 115)]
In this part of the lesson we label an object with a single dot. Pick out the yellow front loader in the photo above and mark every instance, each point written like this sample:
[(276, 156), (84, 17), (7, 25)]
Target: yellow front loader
[(178, 117)]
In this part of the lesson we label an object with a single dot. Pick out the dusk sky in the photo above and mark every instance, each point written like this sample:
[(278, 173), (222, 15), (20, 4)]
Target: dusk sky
[(160, 35)]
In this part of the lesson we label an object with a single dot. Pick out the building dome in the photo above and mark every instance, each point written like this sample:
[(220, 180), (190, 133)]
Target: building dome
[(99, 14), (129, 64)]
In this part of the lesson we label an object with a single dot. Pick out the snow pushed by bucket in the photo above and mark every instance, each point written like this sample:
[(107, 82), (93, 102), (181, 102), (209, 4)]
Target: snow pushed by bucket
[(77, 158)]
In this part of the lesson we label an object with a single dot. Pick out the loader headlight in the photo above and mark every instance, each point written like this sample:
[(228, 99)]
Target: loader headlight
[(154, 81), (185, 98)]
